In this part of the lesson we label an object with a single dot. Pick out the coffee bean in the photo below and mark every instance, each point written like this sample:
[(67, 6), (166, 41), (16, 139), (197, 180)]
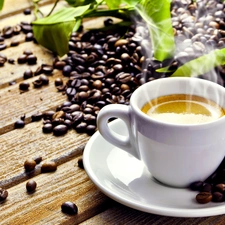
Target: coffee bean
[(47, 128), (19, 124), (217, 197), (28, 74), (206, 187), (27, 52), (44, 79), (220, 187), (24, 86), (59, 65), (48, 167), (31, 186), (47, 69), (3, 194), (14, 43), (11, 61), (203, 197), (2, 46), (26, 28), (58, 82), (37, 159), (196, 186), (37, 83), (80, 163), (27, 11), (22, 59), (90, 129), (48, 114), (7, 31), (69, 208), (67, 70), (29, 165), (80, 128), (29, 36), (60, 129), (31, 59)]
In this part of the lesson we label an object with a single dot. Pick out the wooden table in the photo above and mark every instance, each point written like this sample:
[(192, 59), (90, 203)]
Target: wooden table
[(68, 182)]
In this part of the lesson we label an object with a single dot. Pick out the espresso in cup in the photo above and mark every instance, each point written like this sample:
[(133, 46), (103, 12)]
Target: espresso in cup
[(183, 109)]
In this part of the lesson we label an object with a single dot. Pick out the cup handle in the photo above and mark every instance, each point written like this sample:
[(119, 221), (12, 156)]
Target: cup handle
[(126, 143)]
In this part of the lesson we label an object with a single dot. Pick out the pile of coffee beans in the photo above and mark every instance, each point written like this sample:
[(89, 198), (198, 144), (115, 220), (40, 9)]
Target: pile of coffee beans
[(213, 188)]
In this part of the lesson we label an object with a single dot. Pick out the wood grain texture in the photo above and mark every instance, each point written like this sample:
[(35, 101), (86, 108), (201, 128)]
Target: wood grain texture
[(68, 182)]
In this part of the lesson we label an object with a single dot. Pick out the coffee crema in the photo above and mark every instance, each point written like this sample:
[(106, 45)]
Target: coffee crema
[(183, 109)]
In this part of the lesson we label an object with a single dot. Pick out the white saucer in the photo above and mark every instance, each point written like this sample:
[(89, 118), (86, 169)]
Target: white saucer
[(126, 180)]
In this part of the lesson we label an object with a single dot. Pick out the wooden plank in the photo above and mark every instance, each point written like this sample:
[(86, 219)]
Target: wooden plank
[(68, 183), (18, 145), (12, 7), (120, 214)]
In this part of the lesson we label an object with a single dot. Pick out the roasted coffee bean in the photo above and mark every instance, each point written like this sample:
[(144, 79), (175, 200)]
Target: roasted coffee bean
[(60, 129), (69, 208), (90, 129), (44, 79), (27, 11), (97, 84), (31, 186), (19, 124), (217, 197), (11, 61), (2, 46), (28, 74), (48, 167), (31, 59), (3, 194), (48, 114), (47, 69), (26, 28), (220, 187), (206, 187), (58, 115), (89, 119), (58, 82), (71, 91), (37, 159), (7, 31), (47, 128), (22, 59), (37, 83), (67, 70), (59, 65), (80, 163), (196, 186), (77, 117), (204, 197), (80, 128), (29, 36), (2, 61), (27, 52), (14, 43), (29, 165), (24, 86)]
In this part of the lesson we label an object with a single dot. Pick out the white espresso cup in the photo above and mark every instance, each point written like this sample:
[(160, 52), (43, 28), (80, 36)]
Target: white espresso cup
[(174, 154)]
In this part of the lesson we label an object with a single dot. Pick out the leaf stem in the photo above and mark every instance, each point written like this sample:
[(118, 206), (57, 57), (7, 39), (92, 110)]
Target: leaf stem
[(55, 4)]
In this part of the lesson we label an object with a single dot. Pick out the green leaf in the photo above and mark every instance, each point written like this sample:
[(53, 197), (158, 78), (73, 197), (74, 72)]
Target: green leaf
[(157, 15), (53, 32), (202, 64), (113, 4), (76, 3), (1, 4)]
